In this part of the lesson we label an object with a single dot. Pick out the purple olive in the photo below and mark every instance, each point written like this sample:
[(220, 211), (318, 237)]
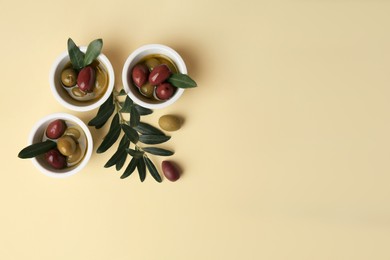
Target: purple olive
[(55, 159), (86, 79), (159, 74), (56, 129), (171, 172), (164, 91), (140, 74)]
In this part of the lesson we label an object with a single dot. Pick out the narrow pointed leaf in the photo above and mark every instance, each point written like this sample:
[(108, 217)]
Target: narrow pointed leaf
[(135, 153), (143, 111), (130, 168), (152, 169), (111, 136), (104, 113), (130, 133), (153, 139), (158, 151), (147, 129), (141, 169), (119, 154), (37, 149), (181, 81), (126, 108), (76, 56), (93, 51), (134, 117), (119, 164)]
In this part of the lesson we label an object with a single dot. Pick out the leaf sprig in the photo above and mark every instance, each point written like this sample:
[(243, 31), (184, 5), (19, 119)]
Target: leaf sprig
[(80, 59), (134, 132)]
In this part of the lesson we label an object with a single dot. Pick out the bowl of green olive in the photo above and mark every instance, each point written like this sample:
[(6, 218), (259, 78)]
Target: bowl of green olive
[(78, 87), (146, 75), (60, 145)]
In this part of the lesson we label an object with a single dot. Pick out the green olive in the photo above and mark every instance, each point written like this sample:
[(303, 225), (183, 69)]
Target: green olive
[(73, 132), (147, 90), (69, 77), (170, 122), (66, 145), (75, 157), (151, 63), (101, 81)]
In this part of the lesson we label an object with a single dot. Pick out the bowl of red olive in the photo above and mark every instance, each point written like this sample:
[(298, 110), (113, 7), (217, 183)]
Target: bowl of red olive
[(147, 76), (59, 145)]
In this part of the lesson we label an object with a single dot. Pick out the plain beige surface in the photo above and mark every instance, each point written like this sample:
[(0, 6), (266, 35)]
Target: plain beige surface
[(285, 147)]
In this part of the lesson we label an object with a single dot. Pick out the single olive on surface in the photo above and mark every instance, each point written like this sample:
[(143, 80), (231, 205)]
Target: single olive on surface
[(86, 79), (159, 74), (140, 74), (55, 159), (56, 129), (69, 77), (169, 123), (164, 91), (170, 170), (147, 90), (66, 145)]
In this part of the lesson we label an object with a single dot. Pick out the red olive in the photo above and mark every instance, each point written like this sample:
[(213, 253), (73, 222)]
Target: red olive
[(55, 159), (159, 74), (171, 172), (164, 91), (140, 74), (86, 79), (56, 129)]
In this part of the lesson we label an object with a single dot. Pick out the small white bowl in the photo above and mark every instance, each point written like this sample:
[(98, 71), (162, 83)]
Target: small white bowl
[(134, 58), (64, 98), (37, 134)]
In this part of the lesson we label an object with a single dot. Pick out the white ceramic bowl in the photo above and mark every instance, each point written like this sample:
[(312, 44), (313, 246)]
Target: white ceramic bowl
[(64, 98), (37, 133), (134, 58)]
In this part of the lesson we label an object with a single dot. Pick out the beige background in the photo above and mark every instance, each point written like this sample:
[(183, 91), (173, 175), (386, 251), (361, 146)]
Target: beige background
[(285, 147)]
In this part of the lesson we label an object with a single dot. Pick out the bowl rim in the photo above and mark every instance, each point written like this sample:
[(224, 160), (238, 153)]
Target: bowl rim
[(174, 55), (88, 135), (52, 81)]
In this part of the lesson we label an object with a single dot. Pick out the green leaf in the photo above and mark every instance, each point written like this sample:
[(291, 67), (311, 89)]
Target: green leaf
[(119, 164), (143, 111), (130, 168), (126, 108), (93, 51), (104, 113), (76, 55), (122, 93), (135, 153), (134, 117), (36, 149), (158, 151), (121, 153), (147, 129), (130, 133), (153, 139), (111, 136), (181, 81), (152, 169), (141, 167)]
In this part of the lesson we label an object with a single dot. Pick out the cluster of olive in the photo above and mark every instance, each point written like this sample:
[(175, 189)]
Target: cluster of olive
[(88, 83), (150, 77), (68, 151)]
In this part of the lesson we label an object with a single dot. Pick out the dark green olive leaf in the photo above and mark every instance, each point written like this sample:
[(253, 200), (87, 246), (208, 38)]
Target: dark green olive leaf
[(147, 129), (181, 81), (126, 108), (158, 151), (134, 117), (111, 136), (122, 93), (119, 164), (76, 55), (135, 153), (93, 51), (36, 149), (153, 139), (152, 169), (120, 153), (143, 111), (130, 133), (104, 113), (130, 168), (141, 169)]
